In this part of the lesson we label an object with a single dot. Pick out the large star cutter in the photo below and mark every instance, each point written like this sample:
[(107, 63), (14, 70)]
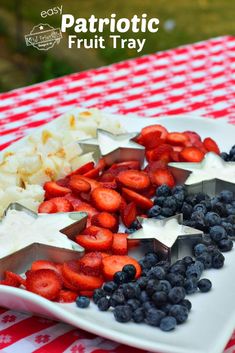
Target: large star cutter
[(212, 178), (114, 148), (171, 239), (21, 260)]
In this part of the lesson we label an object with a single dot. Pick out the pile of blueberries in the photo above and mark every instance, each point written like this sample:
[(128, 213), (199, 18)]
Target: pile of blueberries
[(229, 157), (157, 298)]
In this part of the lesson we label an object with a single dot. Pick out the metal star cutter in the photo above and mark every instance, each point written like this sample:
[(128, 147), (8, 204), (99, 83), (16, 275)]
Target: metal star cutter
[(211, 175), (114, 148), (171, 239), (19, 261)]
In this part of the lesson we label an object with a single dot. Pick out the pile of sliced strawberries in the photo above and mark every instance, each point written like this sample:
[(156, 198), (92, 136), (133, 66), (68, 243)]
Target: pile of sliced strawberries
[(174, 146), (65, 282)]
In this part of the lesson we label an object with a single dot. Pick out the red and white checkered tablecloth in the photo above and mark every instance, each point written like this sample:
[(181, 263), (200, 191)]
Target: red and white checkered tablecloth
[(198, 79)]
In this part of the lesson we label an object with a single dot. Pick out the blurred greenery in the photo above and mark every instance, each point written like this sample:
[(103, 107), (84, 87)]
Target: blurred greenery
[(181, 22)]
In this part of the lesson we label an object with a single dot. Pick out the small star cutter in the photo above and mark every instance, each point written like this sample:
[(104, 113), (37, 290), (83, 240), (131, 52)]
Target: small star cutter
[(171, 239), (211, 164), (114, 148), (21, 260)]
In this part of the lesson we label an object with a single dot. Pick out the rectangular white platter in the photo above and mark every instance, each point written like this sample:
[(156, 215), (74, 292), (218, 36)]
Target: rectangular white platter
[(212, 319)]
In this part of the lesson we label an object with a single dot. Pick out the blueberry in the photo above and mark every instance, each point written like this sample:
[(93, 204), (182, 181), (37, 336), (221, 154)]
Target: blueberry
[(212, 219), (230, 209), (120, 277), (133, 303), (154, 211), (204, 285), (199, 218), (228, 228), (148, 305), (199, 249), (159, 298), (164, 286), (176, 294), (167, 212), (220, 209), (231, 219), (178, 268), (187, 210), (110, 287), (152, 286), (154, 316), (225, 156), (144, 297), (142, 282), (122, 313), (207, 204), (187, 303), (207, 240), (130, 270), (136, 225), (163, 190), (159, 201), (175, 279), (190, 285), (232, 152), (191, 199), (98, 293), (166, 307), (206, 259), (117, 298), (225, 245), (170, 202), (129, 290), (187, 260), (138, 315), (195, 270), (200, 196), (82, 302), (217, 233), (103, 304), (164, 264), (217, 260), (200, 207), (226, 196), (156, 272), (179, 312), (168, 323), (151, 258), (178, 189)]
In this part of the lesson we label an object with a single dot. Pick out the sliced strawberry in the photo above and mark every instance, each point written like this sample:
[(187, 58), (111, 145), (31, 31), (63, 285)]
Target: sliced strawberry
[(93, 183), (44, 264), (67, 284), (174, 156), (122, 205), (162, 176), (44, 282), (73, 199), (109, 184), (193, 136), (47, 207), (191, 154), (105, 220), (90, 264), (107, 177), (128, 165), (161, 152), (153, 166), (101, 165), (129, 214), (150, 192), (79, 185), (86, 293), (62, 204), (177, 139), (13, 279), (140, 200), (85, 207), (93, 173), (119, 246), (153, 135), (211, 146), (106, 199), (95, 239), (177, 148), (63, 182), (54, 190), (67, 296), (71, 272), (115, 263), (83, 169), (133, 179)]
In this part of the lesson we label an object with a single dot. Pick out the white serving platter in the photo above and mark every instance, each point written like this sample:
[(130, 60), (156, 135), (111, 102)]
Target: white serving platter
[(212, 319)]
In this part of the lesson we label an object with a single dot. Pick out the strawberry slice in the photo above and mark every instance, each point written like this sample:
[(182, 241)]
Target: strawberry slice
[(85, 207), (53, 189), (90, 264), (153, 135), (79, 185), (119, 246), (44, 282), (191, 154), (101, 165), (67, 284), (93, 183), (128, 214), (93, 173), (73, 199), (150, 192), (177, 139), (107, 177), (95, 239), (162, 152), (13, 279), (67, 296), (133, 179), (140, 200), (44, 264), (211, 146), (47, 207), (71, 272), (105, 220), (115, 263), (106, 199), (128, 165), (162, 176), (109, 184), (62, 204), (83, 169), (174, 156), (193, 136), (63, 182)]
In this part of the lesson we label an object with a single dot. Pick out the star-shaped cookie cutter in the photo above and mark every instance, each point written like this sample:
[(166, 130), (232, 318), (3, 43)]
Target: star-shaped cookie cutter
[(21, 260), (171, 239), (211, 174), (114, 148)]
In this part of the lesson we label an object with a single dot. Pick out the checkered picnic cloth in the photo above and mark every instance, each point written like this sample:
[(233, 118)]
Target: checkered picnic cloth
[(198, 79)]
